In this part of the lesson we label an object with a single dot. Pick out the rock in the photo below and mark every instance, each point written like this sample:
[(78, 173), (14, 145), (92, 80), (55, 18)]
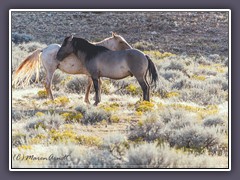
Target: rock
[(154, 32)]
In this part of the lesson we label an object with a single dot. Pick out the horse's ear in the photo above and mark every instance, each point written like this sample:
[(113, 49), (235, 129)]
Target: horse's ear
[(70, 38), (114, 34)]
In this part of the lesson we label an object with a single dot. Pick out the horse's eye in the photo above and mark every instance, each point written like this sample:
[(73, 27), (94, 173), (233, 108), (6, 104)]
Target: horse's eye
[(120, 42)]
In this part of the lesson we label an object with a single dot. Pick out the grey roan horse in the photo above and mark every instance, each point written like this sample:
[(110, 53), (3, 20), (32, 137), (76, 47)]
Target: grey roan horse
[(71, 64), (99, 62)]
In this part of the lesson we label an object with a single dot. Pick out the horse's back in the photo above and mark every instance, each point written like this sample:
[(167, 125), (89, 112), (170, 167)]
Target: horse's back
[(135, 51), (119, 64), (133, 57), (49, 56), (50, 51), (51, 48), (122, 54)]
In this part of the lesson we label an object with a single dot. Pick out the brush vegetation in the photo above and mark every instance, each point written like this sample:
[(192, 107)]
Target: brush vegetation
[(184, 126)]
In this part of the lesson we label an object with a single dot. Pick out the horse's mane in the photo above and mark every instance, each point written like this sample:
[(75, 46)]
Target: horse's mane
[(91, 50)]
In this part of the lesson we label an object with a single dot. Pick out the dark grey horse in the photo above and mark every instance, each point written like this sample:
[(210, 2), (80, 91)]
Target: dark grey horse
[(99, 62)]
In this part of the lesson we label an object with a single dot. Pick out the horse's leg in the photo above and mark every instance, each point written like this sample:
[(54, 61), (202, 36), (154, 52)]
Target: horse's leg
[(148, 87), (96, 87), (100, 85), (90, 82), (50, 65), (145, 88), (48, 82)]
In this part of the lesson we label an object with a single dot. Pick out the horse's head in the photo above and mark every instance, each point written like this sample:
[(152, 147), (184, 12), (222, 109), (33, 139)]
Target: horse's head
[(117, 42), (66, 48)]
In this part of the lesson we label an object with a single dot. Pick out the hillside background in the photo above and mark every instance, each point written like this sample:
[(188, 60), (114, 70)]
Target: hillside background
[(176, 32)]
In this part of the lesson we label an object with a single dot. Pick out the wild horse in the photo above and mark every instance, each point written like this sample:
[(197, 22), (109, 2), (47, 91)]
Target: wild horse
[(70, 64), (98, 61)]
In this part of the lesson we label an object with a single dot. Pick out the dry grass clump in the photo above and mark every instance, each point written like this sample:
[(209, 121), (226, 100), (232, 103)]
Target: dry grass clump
[(46, 122), (18, 139), (69, 136), (77, 85), (144, 106), (90, 158), (58, 77), (42, 94), (147, 129), (59, 101), (72, 116), (195, 138), (133, 89), (210, 96), (213, 121), (143, 45), (17, 115), (110, 107), (93, 115), (150, 155), (179, 129), (146, 155)]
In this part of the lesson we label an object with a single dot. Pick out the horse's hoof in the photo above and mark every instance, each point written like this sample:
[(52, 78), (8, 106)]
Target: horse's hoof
[(95, 104), (87, 101)]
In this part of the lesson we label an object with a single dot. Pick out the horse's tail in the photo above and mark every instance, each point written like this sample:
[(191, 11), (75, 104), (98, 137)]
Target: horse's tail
[(26, 69), (152, 71)]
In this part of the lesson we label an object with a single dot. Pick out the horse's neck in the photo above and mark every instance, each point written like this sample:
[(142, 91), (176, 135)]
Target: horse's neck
[(101, 43)]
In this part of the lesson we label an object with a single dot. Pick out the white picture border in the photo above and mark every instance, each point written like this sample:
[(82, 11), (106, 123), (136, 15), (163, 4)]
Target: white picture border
[(119, 10)]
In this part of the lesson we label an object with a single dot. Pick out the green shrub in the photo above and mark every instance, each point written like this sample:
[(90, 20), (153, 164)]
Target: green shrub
[(148, 156), (144, 106), (72, 116), (148, 129), (143, 45), (174, 65), (93, 115), (19, 139), (18, 38), (195, 138), (213, 121), (77, 85), (210, 95), (90, 158), (133, 89), (46, 122)]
